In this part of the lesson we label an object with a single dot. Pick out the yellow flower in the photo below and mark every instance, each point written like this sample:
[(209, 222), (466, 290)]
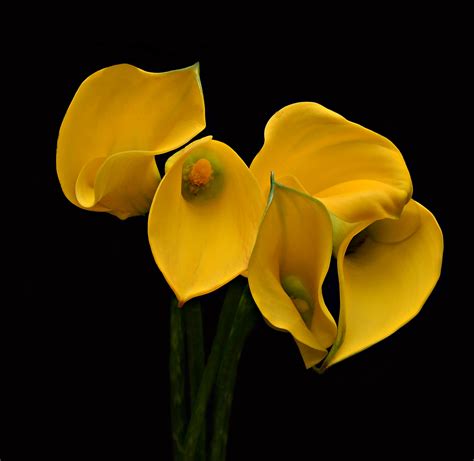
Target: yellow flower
[(388, 247), (335, 160), (387, 269), (204, 218), (287, 268), (119, 119)]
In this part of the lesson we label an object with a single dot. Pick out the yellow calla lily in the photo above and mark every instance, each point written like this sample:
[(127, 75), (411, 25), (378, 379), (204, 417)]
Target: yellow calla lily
[(386, 272), (288, 265), (120, 117), (204, 218), (359, 174)]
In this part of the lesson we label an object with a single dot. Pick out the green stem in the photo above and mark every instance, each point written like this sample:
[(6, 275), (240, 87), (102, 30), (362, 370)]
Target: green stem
[(196, 360), (177, 383), (226, 318), (244, 321)]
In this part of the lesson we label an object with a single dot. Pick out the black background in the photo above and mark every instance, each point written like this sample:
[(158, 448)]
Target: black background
[(87, 343)]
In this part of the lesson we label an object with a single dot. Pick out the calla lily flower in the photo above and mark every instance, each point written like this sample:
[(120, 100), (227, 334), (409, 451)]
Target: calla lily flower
[(359, 174), (119, 119), (387, 270), (288, 266), (204, 218)]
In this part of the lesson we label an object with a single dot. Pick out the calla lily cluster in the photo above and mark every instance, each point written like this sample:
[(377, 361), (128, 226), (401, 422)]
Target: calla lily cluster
[(336, 190), (203, 215), (388, 246)]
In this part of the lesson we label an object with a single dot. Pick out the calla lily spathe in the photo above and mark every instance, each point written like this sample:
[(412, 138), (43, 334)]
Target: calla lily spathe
[(359, 174), (119, 119), (388, 247), (386, 272), (288, 266), (204, 218)]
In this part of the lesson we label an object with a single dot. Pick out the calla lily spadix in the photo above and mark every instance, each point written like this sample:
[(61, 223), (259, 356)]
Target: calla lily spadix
[(204, 218), (288, 266), (119, 119)]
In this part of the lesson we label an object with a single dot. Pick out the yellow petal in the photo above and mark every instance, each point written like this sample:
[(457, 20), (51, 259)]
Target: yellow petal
[(287, 268), (120, 117), (363, 200), (123, 184), (386, 278), (202, 243), (335, 160)]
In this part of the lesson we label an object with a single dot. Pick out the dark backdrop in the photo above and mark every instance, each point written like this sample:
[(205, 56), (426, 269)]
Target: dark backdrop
[(88, 342)]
